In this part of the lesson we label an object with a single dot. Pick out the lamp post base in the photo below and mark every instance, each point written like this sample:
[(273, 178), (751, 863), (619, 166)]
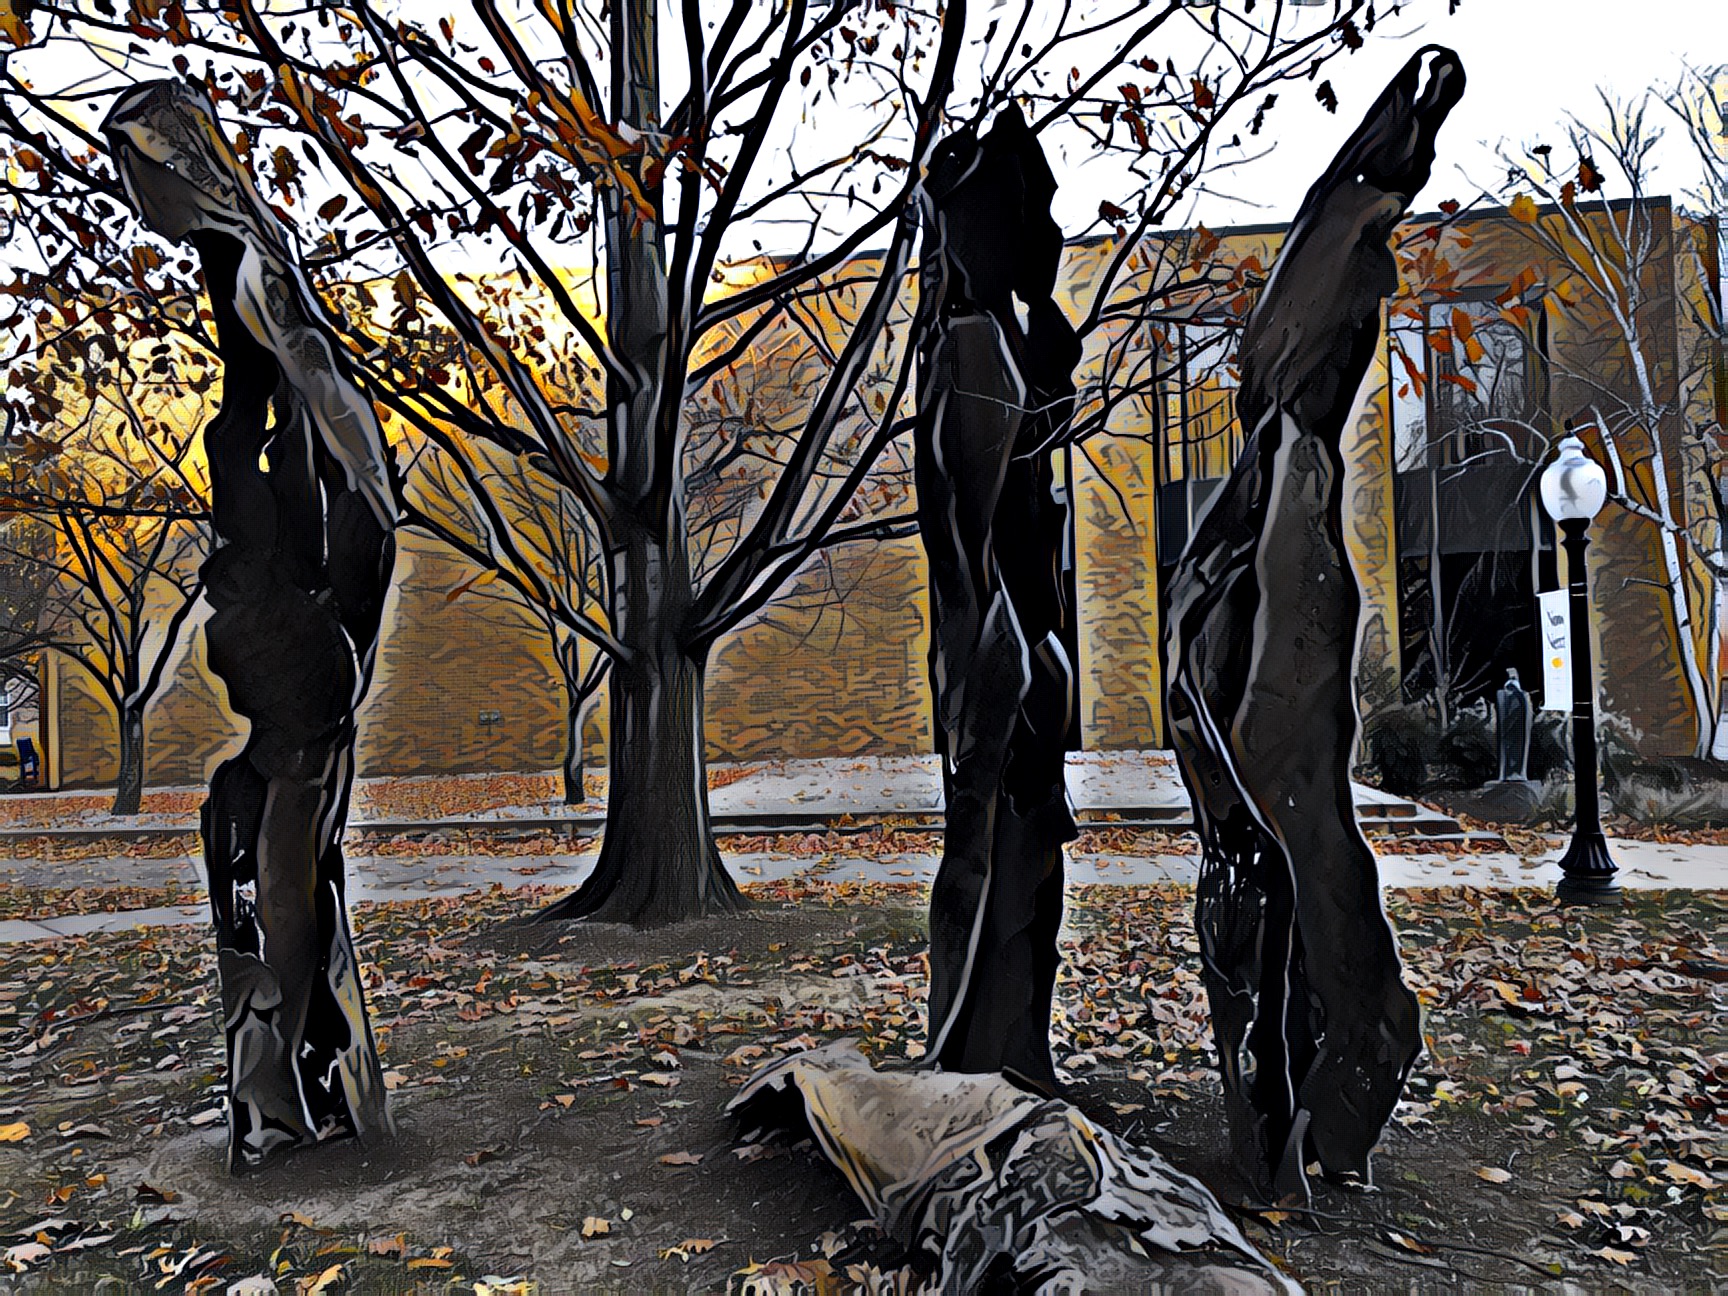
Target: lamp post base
[(1589, 872)]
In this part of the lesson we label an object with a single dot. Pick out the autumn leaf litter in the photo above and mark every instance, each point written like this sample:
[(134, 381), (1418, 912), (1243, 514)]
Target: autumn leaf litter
[(1569, 1111)]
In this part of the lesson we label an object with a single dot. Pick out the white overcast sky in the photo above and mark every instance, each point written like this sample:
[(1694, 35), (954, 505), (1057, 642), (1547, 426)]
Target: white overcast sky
[(1530, 63)]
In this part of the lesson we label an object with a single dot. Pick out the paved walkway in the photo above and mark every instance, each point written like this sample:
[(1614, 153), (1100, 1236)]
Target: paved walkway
[(1131, 787), (1643, 865), (1134, 787)]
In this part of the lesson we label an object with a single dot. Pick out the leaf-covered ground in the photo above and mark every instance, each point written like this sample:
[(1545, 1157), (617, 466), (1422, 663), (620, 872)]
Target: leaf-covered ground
[(60, 902), (558, 1096), (422, 797), (379, 798)]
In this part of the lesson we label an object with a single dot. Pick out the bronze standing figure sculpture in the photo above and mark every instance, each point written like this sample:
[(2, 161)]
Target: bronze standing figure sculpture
[(995, 397), (304, 511), (1316, 1030)]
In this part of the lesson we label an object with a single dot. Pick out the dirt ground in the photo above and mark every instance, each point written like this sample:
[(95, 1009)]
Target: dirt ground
[(558, 1096)]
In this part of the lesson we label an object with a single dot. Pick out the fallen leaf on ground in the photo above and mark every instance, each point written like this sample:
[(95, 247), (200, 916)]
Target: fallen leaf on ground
[(690, 1247), (21, 1257), (681, 1158), (1406, 1243), (784, 1276), (312, 1284), (1687, 1175), (1493, 1174), (16, 1132), (593, 1226)]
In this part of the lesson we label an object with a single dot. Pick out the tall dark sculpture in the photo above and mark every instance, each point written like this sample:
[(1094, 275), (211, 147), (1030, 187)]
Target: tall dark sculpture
[(1316, 1031), (994, 398), (304, 509)]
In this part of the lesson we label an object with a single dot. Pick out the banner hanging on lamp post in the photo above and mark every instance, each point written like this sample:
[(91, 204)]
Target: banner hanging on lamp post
[(1552, 616)]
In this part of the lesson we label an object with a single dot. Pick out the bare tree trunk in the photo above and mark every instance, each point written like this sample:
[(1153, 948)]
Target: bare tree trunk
[(1660, 515), (1713, 640), (1673, 570), (658, 861), (994, 401), (575, 791), (302, 503), (129, 787), (1315, 1028), (575, 711), (579, 693)]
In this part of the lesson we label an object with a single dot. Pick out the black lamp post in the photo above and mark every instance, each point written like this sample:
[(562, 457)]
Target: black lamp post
[(1574, 488)]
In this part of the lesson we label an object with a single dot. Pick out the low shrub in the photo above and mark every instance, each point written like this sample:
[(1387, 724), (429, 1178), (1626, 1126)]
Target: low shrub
[(1469, 750), (1398, 742), (1550, 745)]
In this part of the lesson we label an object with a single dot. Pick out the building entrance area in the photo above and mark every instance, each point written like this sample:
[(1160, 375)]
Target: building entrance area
[(1474, 547)]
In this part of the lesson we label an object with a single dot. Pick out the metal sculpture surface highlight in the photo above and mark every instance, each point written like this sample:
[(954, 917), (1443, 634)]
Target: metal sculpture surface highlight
[(990, 1188), (1316, 1031), (304, 511), (995, 397)]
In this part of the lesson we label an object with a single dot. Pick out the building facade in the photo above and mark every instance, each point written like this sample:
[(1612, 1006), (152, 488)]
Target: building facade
[(1491, 349)]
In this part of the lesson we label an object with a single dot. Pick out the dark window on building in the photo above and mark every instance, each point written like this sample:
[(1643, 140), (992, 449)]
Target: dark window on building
[(1198, 436), (1468, 413)]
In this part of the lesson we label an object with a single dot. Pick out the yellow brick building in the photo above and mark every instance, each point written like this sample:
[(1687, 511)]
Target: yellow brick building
[(838, 665)]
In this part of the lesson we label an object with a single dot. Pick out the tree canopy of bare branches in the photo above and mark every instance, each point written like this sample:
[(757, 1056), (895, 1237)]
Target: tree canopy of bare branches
[(553, 227), (1650, 365), (105, 524)]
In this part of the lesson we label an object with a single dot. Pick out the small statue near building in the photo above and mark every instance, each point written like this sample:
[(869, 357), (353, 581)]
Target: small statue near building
[(1512, 712)]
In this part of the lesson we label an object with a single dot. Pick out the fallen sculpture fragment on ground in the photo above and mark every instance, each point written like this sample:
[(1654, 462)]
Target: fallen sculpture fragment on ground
[(984, 1183)]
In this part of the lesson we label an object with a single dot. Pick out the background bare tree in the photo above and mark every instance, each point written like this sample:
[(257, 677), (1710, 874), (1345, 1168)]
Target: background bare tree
[(104, 496), (1588, 208), (27, 579), (527, 539), (1700, 101)]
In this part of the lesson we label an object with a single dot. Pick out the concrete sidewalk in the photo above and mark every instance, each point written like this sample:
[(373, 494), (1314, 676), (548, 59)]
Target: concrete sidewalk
[(1643, 866), (1136, 788)]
